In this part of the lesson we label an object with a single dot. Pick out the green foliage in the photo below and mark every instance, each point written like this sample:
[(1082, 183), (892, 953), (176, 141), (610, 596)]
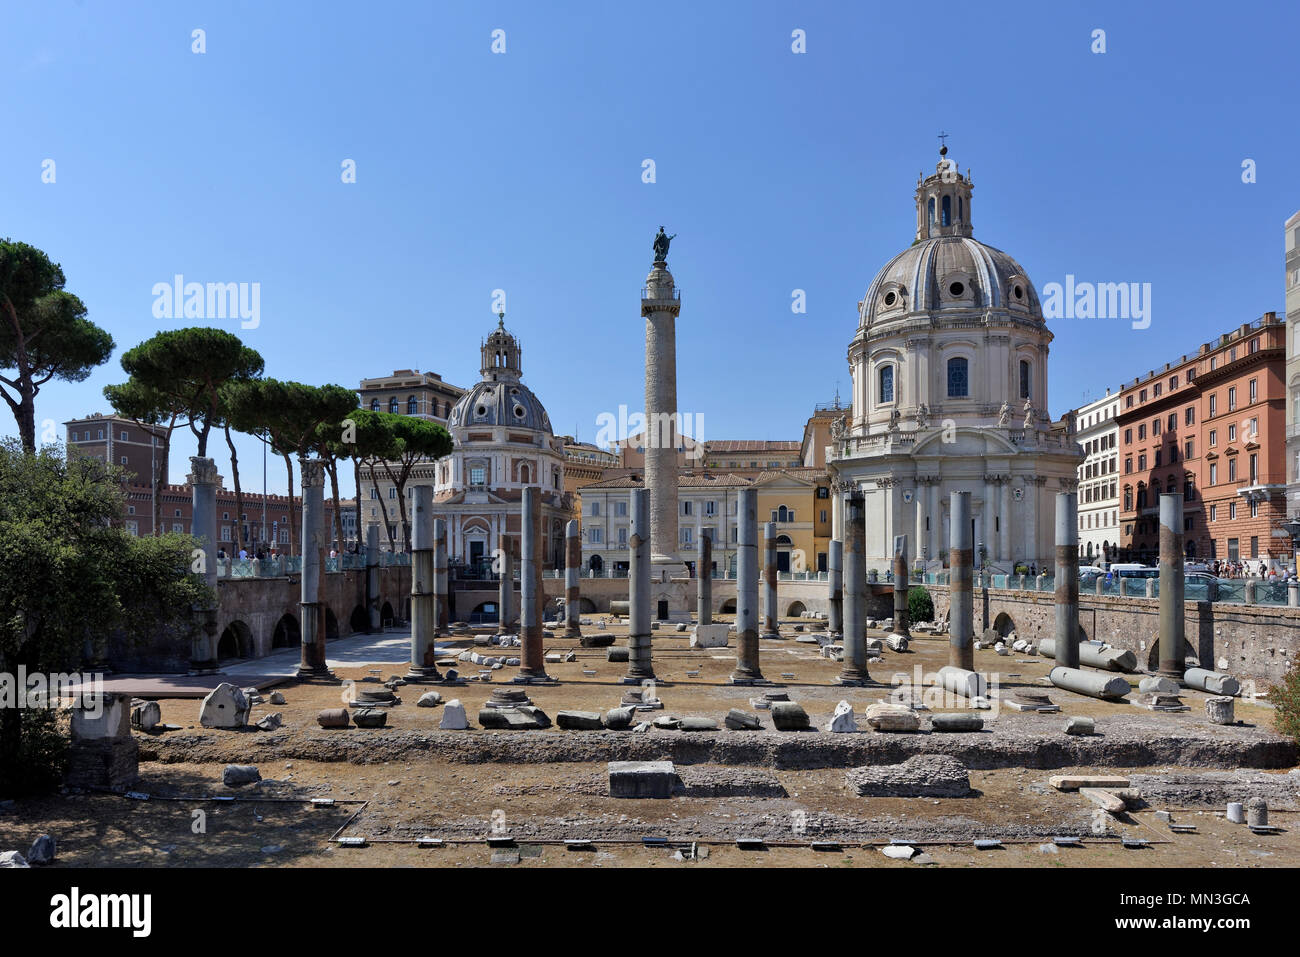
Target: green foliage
[(920, 607), (180, 373), (1286, 696), (35, 761), (290, 415), (44, 332)]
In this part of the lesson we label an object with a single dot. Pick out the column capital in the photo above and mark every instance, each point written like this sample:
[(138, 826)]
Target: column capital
[(203, 471), (313, 472)]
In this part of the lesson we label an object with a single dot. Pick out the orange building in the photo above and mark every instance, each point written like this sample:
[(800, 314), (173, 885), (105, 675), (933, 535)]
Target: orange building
[(1211, 426)]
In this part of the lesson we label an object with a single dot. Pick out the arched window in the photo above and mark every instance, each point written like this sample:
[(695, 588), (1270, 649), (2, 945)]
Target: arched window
[(523, 474), (783, 514), (947, 211), (392, 405), (960, 213), (932, 210), (1128, 498), (1171, 486), (412, 407), (958, 378), (886, 384), (1025, 380), (374, 405)]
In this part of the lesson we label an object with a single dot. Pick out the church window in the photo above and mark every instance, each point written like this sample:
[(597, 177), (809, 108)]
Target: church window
[(890, 298), (886, 384), (1024, 379), (956, 289), (931, 210), (947, 211), (958, 378), (477, 475), (1018, 291), (523, 474)]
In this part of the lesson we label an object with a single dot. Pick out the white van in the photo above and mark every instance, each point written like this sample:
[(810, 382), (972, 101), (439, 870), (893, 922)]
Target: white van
[(1133, 570)]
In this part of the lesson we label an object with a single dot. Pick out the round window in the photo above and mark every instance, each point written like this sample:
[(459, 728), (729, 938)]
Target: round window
[(481, 410), (956, 289), (1018, 291), (519, 412), (890, 298)]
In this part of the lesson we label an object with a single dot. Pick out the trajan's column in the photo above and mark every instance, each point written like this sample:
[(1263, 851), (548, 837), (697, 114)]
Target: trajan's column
[(660, 304)]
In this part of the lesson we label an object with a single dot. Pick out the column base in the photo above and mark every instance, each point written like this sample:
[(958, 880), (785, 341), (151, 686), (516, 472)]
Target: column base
[(853, 679), (420, 675), (637, 679), (574, 632), (534, 678), (750, 681), (306, 673), (1175, 673)]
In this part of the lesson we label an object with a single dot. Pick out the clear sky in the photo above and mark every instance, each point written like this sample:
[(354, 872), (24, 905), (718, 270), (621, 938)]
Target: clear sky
[(523, 171)]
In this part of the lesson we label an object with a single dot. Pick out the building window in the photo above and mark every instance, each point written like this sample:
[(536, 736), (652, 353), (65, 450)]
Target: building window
[(477, 475), (686, 507), (392, 405), (710, 508), (595, 509), (1214, 437), (1214, 406), (374, 405), (1254, 390), (958, 378), (1232, 398), (1214, 473), (595, 535), (1214, 513), (392, 492), (1254, 469), (1189, 415), (1232, 470), (1128, 436), (1025, 382), (1232, 511), (1187, 450), (1254, 508), (886, 384), (412, 407)]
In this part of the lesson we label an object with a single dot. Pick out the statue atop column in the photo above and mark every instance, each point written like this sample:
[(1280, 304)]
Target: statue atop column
[(662, 240)]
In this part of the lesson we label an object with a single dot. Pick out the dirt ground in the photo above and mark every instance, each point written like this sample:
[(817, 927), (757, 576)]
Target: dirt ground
[(466, 792)]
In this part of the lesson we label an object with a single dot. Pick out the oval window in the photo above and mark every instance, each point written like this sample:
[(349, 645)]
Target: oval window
[(1019, 293), (890, 298), (481, 410), (519, 412), (956, 289)]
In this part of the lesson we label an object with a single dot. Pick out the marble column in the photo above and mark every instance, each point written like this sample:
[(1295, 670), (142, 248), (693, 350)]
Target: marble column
[(572, 561), (854, 672), (918, 500), (639, 663), (312, 662), (424, 587), (660, 306), (835, 587), (1067, 579), (532, 667), (936, 520), (747, 611), (770, 627), (203, 481), (374, 598), (704, 583), (1004, 528), (961, 614), (505, 584), (1173, 622), (901, 623)]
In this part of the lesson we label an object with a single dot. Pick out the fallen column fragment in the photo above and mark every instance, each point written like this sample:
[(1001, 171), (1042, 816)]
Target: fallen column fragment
[(1111, 688)]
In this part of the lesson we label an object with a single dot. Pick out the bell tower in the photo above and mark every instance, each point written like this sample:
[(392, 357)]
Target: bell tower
[(943, 201), (501, 355)]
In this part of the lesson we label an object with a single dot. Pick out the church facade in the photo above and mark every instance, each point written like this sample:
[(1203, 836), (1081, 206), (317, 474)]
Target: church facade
[(949, 368)]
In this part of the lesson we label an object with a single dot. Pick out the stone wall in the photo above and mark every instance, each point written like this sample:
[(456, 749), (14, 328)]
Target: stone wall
[(1251, 642)]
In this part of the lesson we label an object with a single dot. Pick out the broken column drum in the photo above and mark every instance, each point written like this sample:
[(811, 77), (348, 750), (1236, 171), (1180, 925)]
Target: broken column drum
[(747, 666), (961, 614), (835, 586), (770, 626), (572, 562), (1173, 623), (312, 662), (639, 663), (854, 671), (704, 583), (532, 667), (1067, 579)]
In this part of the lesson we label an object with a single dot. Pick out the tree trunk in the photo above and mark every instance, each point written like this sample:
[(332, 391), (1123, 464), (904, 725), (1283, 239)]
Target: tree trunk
[(239, 493), (288, 465), (332, 466), (383, 510), (27, 419), (356, 477)]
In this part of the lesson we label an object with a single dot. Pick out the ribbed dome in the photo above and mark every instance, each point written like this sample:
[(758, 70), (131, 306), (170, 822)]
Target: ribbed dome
[(948, 273), (509, 402)]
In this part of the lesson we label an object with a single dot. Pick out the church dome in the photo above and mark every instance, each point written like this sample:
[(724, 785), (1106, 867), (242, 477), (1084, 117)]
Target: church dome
[(945, 269), (500, 399), (500, 403)]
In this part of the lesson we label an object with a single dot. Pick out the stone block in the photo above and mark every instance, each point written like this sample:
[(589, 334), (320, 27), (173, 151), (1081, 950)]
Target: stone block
[(842, 721), (738, 720), (616, 653), (1105, 800), (892, 718), (453, 716), (1080, 725), (333, 718), (618, 719), (923, 775), (956, 723), (602, 640), (370, 717), (224, 707), (1219, 709), (709, 636), (1073, 782), (788, 716), (641, 779), (579, 720), (430, 699), (1157, 685), (236, 775), (697, 724)]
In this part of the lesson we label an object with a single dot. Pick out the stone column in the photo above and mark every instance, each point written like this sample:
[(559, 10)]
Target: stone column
[(505, 584), (572, 563), (203, 481), (1032, 486), (770, 627), (835, 586), (747, 667), (704, 583), (660, 306), (901, 623), (1067, 579), (918, 500), (374, 600), (441, 583), (961, 557), (531, 667), (936, 520), (854, 671), (1004, 523), (640, 666), (312, 663), (1173, 623), (988, 533), (424, 587)]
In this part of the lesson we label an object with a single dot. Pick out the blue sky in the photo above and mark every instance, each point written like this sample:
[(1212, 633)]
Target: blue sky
[(522, 171)]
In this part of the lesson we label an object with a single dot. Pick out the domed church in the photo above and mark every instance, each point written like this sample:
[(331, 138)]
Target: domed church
[(949, 370), (502, 444)]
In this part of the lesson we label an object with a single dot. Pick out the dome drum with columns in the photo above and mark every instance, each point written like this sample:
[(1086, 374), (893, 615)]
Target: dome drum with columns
[(949, 370)]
